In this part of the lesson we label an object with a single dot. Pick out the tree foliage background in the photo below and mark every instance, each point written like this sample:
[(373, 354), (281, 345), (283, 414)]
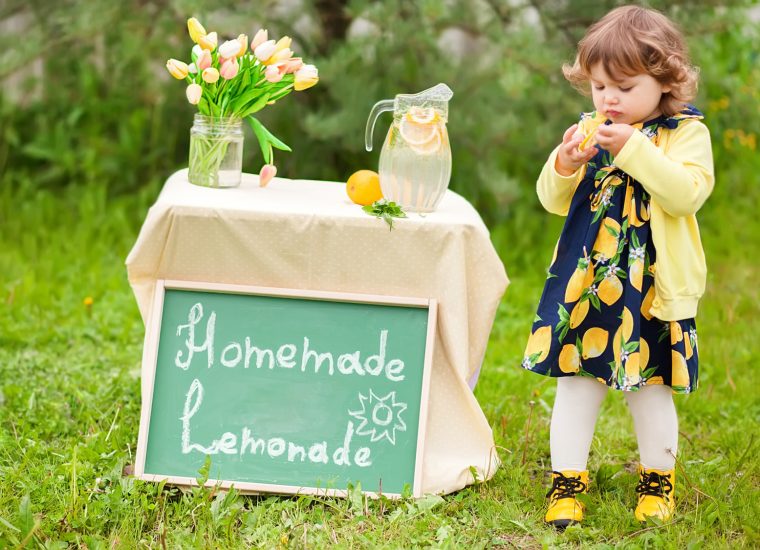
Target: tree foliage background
[(86, 99)]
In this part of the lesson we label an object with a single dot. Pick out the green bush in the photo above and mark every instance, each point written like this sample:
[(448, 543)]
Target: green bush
[(103, 111)]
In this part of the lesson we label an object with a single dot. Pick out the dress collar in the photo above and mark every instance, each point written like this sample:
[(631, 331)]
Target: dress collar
[(672, 122)]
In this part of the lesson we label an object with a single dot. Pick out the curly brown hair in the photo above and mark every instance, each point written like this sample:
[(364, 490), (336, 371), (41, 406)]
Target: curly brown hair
[(633, 40)]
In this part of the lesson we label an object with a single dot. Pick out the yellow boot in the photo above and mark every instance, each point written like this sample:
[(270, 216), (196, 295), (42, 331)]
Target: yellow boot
[(656, 491), (564, 508)]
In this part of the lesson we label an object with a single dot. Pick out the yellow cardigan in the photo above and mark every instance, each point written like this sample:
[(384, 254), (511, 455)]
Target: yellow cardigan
[(678, 174)]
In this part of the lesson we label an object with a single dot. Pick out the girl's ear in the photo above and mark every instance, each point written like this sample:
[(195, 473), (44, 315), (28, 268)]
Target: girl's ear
[(666, 89)]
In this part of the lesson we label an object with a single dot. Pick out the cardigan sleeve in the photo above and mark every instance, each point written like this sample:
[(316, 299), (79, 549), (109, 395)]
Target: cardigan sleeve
[(679, 179), (554, 190)]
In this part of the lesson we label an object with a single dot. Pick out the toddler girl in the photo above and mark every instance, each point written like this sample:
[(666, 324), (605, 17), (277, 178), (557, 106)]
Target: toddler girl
[(621, 294)]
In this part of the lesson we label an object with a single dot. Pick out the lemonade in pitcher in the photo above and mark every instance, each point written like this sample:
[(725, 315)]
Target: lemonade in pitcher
[(415, 162)]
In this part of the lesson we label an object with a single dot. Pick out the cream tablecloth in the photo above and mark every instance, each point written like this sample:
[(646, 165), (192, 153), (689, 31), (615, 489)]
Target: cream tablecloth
[(307, 235)]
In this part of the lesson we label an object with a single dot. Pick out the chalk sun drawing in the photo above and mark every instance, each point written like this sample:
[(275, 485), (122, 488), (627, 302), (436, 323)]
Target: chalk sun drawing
[(380, 417)]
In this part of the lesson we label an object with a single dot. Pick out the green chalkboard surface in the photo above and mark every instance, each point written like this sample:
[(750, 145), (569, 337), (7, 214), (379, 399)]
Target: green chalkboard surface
[(286, 391)]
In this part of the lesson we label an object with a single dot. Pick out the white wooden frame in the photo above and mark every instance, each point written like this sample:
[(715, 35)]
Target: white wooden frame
[(150, 358)]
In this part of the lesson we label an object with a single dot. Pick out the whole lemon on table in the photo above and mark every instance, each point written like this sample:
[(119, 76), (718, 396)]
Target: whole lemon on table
[(363, 187)]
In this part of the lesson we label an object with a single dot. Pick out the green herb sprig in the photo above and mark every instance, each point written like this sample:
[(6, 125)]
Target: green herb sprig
[(386, 210)]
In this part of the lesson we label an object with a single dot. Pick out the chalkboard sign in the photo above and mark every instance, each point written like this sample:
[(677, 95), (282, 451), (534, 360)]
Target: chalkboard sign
[(285, 391)]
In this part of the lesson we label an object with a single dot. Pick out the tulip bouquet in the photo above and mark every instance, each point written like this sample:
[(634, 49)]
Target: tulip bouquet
[(231, 82)]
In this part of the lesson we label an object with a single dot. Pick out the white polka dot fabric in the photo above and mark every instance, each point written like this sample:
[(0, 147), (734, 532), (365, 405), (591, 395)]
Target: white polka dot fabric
[(304, 234)]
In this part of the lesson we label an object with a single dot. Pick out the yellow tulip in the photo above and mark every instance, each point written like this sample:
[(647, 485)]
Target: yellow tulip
[(243, 39), (279, 56), (305, 77), (208, 41), (177, 68), (210, 75), (195, 29), (282, 44)]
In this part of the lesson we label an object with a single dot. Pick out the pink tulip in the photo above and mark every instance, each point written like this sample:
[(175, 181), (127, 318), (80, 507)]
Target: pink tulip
[(204, 60), (259, 39), (305, 77), (229, 49), (274, 73), (210, 75), (293, 64), (265, 50), (229, 69), (194, 93), (268, 171)]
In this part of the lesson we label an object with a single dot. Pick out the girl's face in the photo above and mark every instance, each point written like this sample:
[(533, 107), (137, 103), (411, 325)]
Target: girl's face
[(628, 99)]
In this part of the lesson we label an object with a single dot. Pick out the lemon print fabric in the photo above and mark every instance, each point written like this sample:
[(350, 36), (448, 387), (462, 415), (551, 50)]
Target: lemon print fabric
[(596, 314)]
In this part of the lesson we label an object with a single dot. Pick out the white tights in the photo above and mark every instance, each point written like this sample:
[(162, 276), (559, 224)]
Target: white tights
[(574, 417)]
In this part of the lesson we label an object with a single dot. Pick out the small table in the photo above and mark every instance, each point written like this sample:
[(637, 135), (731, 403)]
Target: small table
[(305, 234)]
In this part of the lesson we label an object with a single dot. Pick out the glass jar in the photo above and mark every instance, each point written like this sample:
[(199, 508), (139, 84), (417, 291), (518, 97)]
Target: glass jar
[(216, 151)]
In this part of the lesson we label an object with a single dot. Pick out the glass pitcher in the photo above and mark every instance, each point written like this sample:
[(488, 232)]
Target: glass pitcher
[(415, 161)]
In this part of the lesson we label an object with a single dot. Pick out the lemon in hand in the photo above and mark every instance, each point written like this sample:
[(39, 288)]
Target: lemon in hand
[(363, 187)]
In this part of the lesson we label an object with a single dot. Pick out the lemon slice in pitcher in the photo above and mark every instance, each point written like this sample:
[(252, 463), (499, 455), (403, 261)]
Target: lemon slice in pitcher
[(419, 127), (429, 147), (422, 115)]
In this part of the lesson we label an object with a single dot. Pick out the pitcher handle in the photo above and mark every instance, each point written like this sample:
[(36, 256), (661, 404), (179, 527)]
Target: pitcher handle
[(380, 107)]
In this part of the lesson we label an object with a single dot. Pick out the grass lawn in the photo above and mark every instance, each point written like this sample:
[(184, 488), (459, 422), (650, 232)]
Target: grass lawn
[(70, 404)]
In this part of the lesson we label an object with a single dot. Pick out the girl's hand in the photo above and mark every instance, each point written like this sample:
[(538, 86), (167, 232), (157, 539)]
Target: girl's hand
[(569, 158), (613, 137)]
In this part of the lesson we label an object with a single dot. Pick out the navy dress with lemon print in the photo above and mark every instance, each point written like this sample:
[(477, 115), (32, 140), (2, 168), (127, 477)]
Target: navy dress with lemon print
[(593, 317)]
